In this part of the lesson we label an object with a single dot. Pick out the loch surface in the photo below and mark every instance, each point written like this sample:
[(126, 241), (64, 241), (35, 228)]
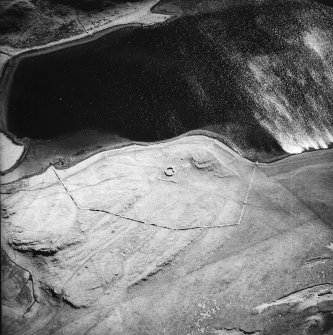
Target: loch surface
[(261, 76)]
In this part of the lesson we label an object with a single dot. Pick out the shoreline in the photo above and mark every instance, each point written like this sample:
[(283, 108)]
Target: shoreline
[(68, 162), (14, 58)]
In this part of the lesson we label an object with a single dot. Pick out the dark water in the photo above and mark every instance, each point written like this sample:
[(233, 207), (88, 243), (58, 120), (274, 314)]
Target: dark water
[(261, 76)]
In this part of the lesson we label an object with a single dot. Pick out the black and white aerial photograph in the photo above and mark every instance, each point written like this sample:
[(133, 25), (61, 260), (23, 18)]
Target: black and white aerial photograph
[(166, 167)]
